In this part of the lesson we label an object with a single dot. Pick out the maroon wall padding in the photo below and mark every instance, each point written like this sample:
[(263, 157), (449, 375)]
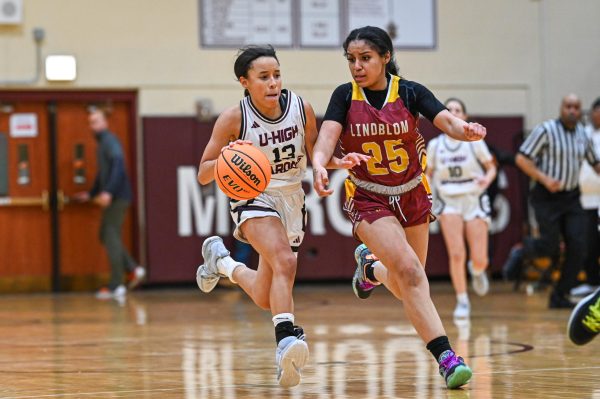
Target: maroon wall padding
[(506, 134), (172, 142), (168, 144)]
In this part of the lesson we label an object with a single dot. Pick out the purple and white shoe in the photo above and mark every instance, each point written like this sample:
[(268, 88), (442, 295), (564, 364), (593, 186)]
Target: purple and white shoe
[(454, 370), (361, 285)]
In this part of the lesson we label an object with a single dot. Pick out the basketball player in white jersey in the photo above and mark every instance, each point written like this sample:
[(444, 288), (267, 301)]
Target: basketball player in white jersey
[(461, 172), (283, 127)]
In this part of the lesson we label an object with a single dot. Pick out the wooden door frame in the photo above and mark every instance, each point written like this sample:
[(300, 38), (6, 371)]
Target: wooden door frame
[(129, 96)]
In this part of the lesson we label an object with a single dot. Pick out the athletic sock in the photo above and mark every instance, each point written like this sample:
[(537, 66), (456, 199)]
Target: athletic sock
[(284, 326), (475, 272), (462, 298), (438, 345), (227, 265)]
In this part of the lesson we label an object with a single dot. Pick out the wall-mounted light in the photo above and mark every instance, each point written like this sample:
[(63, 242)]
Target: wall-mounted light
[(61, 68)]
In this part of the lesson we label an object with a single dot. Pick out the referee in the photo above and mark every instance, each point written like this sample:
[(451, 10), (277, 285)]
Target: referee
[(552, 156)]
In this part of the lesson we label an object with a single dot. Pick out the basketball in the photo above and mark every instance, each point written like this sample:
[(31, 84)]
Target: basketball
[(242, 171)]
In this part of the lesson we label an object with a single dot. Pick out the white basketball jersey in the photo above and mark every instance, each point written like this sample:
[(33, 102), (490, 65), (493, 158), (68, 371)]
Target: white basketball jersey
[(456, 164), (281, 140)]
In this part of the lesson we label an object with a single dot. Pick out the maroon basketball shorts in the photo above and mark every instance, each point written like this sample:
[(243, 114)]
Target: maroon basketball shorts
[(411, 209)]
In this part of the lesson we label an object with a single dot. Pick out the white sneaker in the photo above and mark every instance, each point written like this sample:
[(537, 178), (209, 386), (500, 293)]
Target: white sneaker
[(136, 277), (291, 356), (479, 282), (208, 275), (462, 310), (583, 290), (118, 293), (206, 281)]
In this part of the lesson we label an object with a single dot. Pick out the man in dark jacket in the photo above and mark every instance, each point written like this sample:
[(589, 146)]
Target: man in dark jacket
[(112, 192)]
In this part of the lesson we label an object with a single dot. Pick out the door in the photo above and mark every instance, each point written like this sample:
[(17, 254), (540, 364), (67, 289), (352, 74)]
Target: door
[(54, 240), (25, 218)]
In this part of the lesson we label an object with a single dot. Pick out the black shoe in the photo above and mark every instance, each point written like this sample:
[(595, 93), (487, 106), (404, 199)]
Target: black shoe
[(559, 301), (513, 266), (584, 323)]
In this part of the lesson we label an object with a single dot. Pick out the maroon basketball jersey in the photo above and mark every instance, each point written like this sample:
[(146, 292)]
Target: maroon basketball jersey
[(390, 136)]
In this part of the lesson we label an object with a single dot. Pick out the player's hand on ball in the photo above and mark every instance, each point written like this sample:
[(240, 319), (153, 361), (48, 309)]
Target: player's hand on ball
[(321, 181), (474, 131), (233, 143)]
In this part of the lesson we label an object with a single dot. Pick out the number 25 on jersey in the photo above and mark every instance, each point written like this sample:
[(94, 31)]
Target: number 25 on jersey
[(396, 156)]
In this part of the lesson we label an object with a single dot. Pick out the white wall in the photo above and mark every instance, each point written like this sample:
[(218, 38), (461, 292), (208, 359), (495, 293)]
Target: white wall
[(503, 57)]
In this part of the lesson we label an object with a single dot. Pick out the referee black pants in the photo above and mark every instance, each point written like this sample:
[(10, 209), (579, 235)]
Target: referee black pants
[(590, 264), (556, 214)]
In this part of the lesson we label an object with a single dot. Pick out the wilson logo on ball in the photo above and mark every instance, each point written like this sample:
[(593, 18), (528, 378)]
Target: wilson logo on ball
[(246, 169), (242, 171)]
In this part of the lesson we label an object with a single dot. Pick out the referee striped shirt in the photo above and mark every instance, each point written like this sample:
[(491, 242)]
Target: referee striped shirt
[(558, 152)]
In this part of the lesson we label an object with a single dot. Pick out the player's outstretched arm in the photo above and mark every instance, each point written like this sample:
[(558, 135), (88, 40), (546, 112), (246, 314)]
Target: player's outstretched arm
[(322, 154), (457, 128)]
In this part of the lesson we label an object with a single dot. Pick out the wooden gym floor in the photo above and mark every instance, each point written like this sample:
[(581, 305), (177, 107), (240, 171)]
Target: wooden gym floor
[(185, 344)]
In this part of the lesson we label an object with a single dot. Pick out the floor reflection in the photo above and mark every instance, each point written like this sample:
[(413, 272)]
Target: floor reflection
[(181, 344), (347, 360)]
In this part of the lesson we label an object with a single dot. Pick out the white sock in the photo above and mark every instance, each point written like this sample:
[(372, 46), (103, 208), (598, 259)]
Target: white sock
[(227, 265), (462, 298), (281, 317), (476, 272)]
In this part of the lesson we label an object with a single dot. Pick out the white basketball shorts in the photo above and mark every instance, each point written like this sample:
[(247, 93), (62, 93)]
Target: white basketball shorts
[(287, 204), (469, 206)]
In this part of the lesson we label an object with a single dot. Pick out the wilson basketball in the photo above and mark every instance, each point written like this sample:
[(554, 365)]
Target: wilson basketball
[(242, 171)]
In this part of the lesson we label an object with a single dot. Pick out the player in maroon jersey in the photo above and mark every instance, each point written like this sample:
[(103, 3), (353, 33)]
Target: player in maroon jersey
[(376, 114)]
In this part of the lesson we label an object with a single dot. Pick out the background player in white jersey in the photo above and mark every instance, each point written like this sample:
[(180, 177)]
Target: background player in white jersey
[(461, 172), (283, 127)]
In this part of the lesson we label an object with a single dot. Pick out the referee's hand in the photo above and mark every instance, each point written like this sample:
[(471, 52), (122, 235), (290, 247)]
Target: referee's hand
[(551, 184), (474, 131)]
